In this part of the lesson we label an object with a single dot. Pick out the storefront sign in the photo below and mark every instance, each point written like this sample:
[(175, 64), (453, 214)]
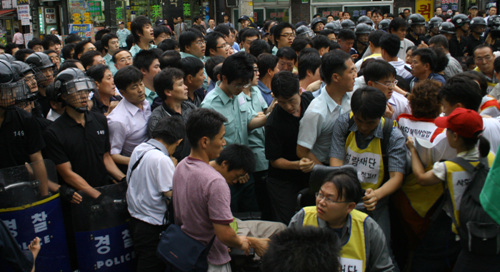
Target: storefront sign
[(6, 4), (23, 2), (95, 8), (425, 8), (83, 30), (23, 14), (50, 16)]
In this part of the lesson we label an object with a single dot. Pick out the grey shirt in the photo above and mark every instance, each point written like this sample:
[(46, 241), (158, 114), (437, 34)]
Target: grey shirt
[(453, 67), (377, 253)]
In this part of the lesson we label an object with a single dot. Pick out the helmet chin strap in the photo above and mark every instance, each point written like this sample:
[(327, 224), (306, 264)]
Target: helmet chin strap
[(79, 110)]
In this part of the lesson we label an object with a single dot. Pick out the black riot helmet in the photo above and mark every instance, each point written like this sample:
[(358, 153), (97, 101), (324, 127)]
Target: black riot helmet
[(335, 26), (348, 24), (447, 28), (12, 88), (74, 86), (40, 62), (365, 20)]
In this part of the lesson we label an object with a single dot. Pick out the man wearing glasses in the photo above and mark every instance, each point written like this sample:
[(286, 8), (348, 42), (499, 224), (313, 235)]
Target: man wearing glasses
[(284, 34), (122, 58), (484, 59)]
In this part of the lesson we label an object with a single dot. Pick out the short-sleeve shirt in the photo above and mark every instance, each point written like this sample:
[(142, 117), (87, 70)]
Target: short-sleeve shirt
[(202, 197), (266, 93), (237, 111), (20, 137), (316, 126), (256, 137), (122, 36), (82, 146), (136, 49)]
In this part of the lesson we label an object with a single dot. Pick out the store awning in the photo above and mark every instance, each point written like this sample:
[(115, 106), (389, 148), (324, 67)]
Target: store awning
[(7, 12)]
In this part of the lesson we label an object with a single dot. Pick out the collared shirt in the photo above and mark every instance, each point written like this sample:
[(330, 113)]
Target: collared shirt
[(149, 180), (360, 62), (401, 68), (433, 76), (377, 254), (453, 67), (274, 50), (136, 49), (396, 150), (405, 44), (18, 38), (52, 115), (150, 95), (491, 80), (128, 127), (110, 63), (266, 93), (316, 126), (256, 137), (237, 111), (205, 81), (400, 105), (122, 37)]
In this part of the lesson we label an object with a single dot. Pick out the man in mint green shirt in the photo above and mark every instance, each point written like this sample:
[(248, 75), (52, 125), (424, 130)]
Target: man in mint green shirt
[(193, 44), (143, 35), (147, 61)]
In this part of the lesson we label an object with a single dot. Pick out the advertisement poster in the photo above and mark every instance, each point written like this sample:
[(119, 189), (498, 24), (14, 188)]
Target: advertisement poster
[(83, 30)]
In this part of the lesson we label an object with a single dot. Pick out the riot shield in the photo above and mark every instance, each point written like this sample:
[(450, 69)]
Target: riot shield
[(28, 214), (102, 236)]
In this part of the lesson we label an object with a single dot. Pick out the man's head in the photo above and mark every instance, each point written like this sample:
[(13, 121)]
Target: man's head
[(399, 27), (247, 36), (309, 66), (216, 45), (122, 58), (368, 105), (170, 58), (492, 11), (148, 63), (423, 99), (110, 43), (142, 29), (459, 91), (287, 58), (52, 42), (205, 131), (237, 72), (128, 80), (211, 23), (244, 21), (423, 62), (36, 45), (484, 58), (170, 130), (406, 13), (322, 44), (235, 161), (377, 16), (161, 33), (268, 65), (346, 39), (284, 34), (317, 24), (91, 58), (121, 24), (346, 15), (417, 24), (192, 42), (439, 41), (259, 47), (12, 89), (103, 79), (73, 87), (286, 89), (381, 75), (193, 72), (83, 47), (43, 67), (72, 38), (169, 85), (338, 70)]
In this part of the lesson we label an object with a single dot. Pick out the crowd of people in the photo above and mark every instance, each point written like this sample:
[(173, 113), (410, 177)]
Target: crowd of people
[(229, 125)]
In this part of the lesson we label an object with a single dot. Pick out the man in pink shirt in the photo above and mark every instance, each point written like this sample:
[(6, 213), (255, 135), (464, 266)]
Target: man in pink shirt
[(18, 38)]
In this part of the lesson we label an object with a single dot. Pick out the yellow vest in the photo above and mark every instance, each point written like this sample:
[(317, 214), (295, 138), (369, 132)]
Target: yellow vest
[(456, 179), (353, 253), (369, 160)]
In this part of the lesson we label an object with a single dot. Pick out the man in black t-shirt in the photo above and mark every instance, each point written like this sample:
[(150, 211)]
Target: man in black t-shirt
[(287, 173)]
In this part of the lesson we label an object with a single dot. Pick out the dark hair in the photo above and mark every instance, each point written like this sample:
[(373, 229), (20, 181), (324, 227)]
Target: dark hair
[(20, 55), (480, 79), (87, 58), (187, 37), (165, 80), (158, 30), (168, 44), (259, 47), (144, 59), (113, 58), (347, 185), (66, 51), (238, 66), (368, 102), (460, 89), (9, 47), (300, 43), (308, 62), (248, 32), (96, 72), (130, 41), (346, 34), (223, 29), (325, 32), (304, 249), (80, 47), (424, 100), (441, 59), (481, 46), (71, 38), (279, 28), (51, 93), (136, 26), (210, 64), (199, 28), (237, 157), (391, 44), (50, 40), (427, 55), (170, 58), (106, 38), (333, 62), (397, 23), (69, 63), (285, 84), (191, 66), (375, 36), (440, 40), (212, 40), (98, 36), (334, 46), (169, 129), (287, 53), (496, 64), (203, 122), (321, 41), (127, 76), (377, 70), (34, 42), (265, 62)]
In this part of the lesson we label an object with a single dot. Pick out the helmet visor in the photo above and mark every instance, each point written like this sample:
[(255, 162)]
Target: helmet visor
[(81, 84), (12, 93)]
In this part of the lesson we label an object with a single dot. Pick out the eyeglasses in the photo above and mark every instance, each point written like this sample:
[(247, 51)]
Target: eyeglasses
[(200, 42), (125, 59), (288, 35), (222, 46), (243, 86), (320, 196), (388, 85), (487, 58)]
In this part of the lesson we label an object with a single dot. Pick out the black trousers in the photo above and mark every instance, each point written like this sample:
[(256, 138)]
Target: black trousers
[(146, 238), (283, 196)]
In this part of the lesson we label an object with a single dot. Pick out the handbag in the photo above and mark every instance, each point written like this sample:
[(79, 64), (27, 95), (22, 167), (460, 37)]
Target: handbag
[(181, 251)]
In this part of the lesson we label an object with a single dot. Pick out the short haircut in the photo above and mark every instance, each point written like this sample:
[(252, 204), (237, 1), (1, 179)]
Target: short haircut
[(285, 84), (106, 38), (481, 46), (136, 26), (321, 41), (391, 44), (130, 41), (201, 123), (144, 59), (378, 70), (326, 32), (333, 62), (50, 40), (187, 37), (96, 72), (168, 44), (308, 62), (66, 51), (87, 58), (158, 30), (249, 32), (69, 63), (212, 40), (424, 100), (397, 23), (79, 48), (259, 47), (223, 29), (427, 55), (98, 36), (165, 80), (441, 59), (479, 78), (237, 157), (304, 249), (347, 185), (20, 55), (287, 53), (377, 11), (496, 64), (210, 64), (440, 40), (113, 58), (170, 58), (127, 76), (300, 43), (238, 66), (191, 66), (375, 36), (265, 62), (72, 38), (279, 28), (169, 129), (460, 89), (199, 28), (34, 42), (368, 102), (346, 34)]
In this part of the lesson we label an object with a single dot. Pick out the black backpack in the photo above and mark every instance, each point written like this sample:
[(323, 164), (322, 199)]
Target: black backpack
[(479, 233)]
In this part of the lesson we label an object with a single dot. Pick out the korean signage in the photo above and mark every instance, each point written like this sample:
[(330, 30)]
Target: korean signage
[(50, 16), (23, 2), (95, 8), (23, 14), (6, 4), (425, 8), (83, 30), (449, 4)]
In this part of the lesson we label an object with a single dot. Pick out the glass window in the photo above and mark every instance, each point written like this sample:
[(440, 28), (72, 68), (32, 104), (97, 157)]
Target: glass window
[(278, 14)]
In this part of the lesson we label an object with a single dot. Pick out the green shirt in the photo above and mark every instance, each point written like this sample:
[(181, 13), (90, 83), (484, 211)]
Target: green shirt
[(256, 137), (203, 59), (110, 63), (136, 49), (150, 95)]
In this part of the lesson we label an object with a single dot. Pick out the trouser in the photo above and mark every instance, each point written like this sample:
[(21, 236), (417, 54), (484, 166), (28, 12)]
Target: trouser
[(263, 196), (283, 196), (467, 262), (146, 238), (243, 197), (219, 268)]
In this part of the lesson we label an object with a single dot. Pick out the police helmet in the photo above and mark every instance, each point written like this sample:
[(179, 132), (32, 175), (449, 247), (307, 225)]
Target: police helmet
[(316, 21), (384, 24), (477, 21), (416, 19), (12, 89), (335, 26), (348, 24), (39, 60), (447, 28), (304, 31), (365, 20), (363, 29), (460, 20), (7, 57), (435, 22)]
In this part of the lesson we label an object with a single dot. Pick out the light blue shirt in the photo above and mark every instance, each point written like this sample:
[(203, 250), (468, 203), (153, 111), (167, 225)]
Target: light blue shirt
[(150, 95), (136, 49), (237, 111), (266, 93), (275, 50), (203, 59), (256, 137), (109, 62), (316, 127), (122, 35)]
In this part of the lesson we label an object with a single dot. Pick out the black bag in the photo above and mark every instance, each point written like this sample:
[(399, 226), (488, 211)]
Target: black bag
[(479, 233), (181, 251)]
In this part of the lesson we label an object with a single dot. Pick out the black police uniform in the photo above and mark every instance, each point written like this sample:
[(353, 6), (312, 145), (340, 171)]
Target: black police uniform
[(416, 41), (20, 136), (471, 43), (457, 48), (83, 147)]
